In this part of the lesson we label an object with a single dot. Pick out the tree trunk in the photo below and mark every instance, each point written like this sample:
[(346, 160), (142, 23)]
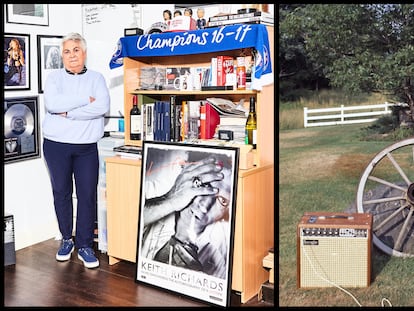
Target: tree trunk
[(409, 94)]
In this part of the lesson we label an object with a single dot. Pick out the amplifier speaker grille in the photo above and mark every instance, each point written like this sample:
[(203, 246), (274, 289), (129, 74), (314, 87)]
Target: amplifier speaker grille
[(334, 249)]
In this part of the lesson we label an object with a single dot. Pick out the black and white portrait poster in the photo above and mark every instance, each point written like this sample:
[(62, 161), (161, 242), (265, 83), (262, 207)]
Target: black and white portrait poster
[(49, 57), (186, 219)]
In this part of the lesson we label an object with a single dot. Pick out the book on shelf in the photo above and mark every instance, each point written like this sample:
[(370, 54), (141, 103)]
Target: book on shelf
[(166, 123), (233, 16), (225, 66), (227, 107), (263, 18), (128, 151), (184, 120), (238, 120), (209, 119), (213, 72), (148, 121), (193, 119)]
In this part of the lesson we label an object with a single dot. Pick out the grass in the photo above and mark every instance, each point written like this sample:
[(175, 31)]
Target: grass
[(319, 170)]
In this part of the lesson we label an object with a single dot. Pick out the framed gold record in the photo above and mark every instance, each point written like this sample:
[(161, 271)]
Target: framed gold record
[(21, 129)]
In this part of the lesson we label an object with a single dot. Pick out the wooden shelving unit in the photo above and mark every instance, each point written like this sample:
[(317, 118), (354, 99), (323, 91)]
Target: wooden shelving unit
[(254, 228)]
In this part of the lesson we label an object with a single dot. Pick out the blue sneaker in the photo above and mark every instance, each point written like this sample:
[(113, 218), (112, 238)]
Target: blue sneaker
[(65, 250), (87, 255)]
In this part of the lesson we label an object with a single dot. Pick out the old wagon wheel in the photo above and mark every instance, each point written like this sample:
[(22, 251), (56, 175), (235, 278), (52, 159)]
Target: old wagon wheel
[(386, 190)]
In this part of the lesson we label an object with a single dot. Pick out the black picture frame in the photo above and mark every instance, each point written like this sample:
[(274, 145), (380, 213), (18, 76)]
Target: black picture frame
[(172, 171), (16, 61), (21, 129), (28, 13), (49, 57)]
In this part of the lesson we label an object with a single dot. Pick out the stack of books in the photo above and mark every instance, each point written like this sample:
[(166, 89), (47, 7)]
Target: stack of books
[(128, 151), (232, 119), (243, 18)]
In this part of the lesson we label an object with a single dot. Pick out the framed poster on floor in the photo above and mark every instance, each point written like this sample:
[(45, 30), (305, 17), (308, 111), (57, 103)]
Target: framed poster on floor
[(21, 129), (186, 219)]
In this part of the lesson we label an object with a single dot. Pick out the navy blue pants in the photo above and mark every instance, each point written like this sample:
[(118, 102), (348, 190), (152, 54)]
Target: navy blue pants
[(80, 161)]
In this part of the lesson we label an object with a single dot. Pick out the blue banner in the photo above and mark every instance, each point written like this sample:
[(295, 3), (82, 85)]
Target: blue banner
[(231, 37)]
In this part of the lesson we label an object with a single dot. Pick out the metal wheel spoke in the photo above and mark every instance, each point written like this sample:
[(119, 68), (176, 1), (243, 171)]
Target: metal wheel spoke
[(395, 213), (398, 168), (384, 200), (384, 182), (401, 235)]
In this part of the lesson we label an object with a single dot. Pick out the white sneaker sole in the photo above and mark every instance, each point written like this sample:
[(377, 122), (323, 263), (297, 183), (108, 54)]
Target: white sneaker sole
[(65, 257), (89, 265)]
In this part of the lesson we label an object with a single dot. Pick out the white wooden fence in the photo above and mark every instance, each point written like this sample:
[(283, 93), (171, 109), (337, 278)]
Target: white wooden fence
[(345, 115)]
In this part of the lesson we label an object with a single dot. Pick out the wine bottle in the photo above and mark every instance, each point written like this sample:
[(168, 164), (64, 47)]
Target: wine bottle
[(251, 124), (135, 120)]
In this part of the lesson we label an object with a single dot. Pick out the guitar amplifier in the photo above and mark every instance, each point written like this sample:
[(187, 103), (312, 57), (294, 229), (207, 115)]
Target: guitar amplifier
[(334, 249)]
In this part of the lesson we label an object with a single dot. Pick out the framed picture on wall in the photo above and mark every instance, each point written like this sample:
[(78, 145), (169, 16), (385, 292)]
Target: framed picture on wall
[(186, 219), (30, 14), (21, 129), (49, 57), (16, 62)]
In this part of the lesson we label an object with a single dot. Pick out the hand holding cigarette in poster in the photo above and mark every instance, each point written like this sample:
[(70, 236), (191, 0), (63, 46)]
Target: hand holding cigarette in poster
[(194, 180)]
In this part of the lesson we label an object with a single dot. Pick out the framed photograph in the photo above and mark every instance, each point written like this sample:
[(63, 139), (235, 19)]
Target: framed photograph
[(186, 219), (21, 129), (49, 57), (30, 14), (16, 62)]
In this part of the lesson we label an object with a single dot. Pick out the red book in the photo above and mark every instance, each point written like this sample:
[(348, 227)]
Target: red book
[(225, 65), (209, 119)]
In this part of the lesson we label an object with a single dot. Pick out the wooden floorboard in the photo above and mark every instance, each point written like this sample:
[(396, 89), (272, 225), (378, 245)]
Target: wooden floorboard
[(37, 279)]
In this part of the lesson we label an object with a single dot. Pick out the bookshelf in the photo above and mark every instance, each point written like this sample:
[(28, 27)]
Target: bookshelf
[(254, 228)]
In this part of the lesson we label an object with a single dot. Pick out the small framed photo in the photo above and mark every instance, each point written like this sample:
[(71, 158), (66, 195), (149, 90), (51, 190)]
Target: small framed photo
[(21, 129), (49, 57), (30, 14), (186, 219), (16, 62)]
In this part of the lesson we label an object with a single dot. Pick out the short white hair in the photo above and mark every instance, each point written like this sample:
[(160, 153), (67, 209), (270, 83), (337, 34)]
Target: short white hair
[(75, 37)]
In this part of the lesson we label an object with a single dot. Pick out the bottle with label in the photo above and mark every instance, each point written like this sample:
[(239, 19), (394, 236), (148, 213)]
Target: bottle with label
[(241, 73), (135, 120), (251, 124)]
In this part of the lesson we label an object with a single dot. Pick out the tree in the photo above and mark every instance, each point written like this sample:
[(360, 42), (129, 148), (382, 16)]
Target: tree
[(295, 68), (361, 47)]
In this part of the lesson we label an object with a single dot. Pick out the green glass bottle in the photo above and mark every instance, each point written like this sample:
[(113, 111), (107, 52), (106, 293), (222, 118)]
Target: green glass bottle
[(251, 124)]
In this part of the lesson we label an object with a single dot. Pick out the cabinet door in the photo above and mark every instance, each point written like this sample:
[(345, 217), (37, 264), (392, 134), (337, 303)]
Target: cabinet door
[(254, 230), (123, 179)]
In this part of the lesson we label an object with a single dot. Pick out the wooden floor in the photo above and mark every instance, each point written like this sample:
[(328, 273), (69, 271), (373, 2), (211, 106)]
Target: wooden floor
[(37, 279)]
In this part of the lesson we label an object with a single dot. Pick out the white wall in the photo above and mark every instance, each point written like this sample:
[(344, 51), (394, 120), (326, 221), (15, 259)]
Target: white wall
[(27, 190)]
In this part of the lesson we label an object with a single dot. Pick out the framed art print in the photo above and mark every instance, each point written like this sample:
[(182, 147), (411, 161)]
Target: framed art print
[(16, 62), (186, 219), (49, 57), (21, 129), (29, 13)]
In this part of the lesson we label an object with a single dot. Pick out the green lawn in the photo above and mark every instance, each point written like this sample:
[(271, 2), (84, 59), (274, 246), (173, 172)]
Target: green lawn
[(319, 170)]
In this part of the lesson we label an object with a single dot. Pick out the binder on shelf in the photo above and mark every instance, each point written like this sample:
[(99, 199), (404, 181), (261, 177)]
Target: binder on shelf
[(209, 119)]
